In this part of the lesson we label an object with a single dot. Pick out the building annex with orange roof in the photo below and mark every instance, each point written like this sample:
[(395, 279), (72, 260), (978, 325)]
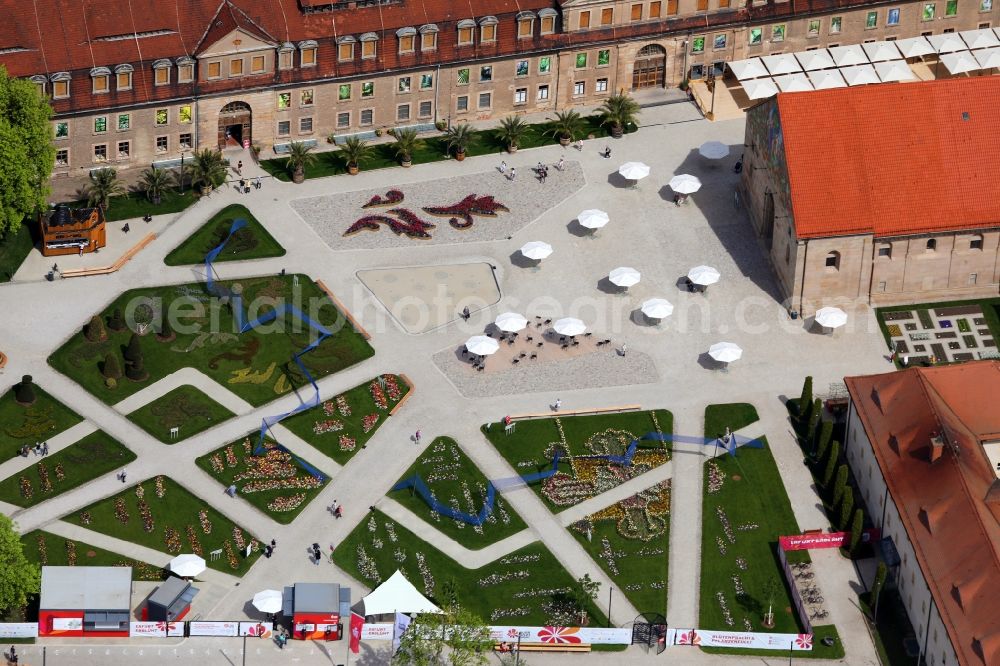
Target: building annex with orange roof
[(880, 194), (923, 445)]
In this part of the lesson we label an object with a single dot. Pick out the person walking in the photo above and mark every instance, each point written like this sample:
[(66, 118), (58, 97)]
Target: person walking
[(561, 163), (123, 474), (256, 182), (45, 448), (556, 405), (513, 173), (503, 167), (416, 437), (239, 167), (624, 349)]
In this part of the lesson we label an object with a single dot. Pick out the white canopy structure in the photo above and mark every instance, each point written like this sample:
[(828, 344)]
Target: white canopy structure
[(881, 51), (751, 68), (633, 170), (713, 150), (187, 565), (657, 308), (481, 345), (783, 63), (831, 317), (813, 60), (980, 39), (895, 70), (914, 47), (569, 326), (827, 78), (267, 601), (510, 322), (725, 352), (988, 58), (396, 595), (624, 276), (845, 56), (797, 82), (959, 62), (592, 218), (859, 75), (947, 43), (703, 275), (536, 250), (760, 88), (684, 184)]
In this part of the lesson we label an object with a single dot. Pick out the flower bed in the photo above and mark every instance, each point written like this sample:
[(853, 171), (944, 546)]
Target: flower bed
[(45, 548)]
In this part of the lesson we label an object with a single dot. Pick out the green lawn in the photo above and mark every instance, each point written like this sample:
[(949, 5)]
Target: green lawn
[(94, 455), (532, 445), (522, 588), (185, 408), (14, 248), (275, 482), (135, 204), (631, 542), (256, 365), (339, 433), (177, 525), (457, 482), (20, 425), (251, 242), (432, 149), (991, 313), (46, 548)]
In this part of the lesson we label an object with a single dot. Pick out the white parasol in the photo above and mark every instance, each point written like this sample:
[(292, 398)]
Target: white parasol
[(684, 184), (713, 150), (624, 276), (657, 308), (569, 326), (510, 322), (187, 565), (480, 345), (633, 170), (831, 317), (703, 275), (536, 250), (592, 218), (725, 352), (267, 601)]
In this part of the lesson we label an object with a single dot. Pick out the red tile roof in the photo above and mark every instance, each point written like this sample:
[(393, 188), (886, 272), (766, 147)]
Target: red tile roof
[(894, 159), (953, 527)]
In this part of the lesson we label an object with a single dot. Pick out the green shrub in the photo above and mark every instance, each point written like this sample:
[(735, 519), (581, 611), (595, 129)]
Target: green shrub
[(823, 437), (116, 322), (857, 525), (24, 392), (839, 485), (94, 330), (807, 396), (111, 383), (831, 463), (134, 349), (111, 369), (846, 507), (136, 370), (815, 414)]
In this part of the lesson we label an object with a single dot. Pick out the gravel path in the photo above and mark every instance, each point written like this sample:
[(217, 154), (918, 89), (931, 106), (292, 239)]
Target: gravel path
[(331, 215), (596, 370)]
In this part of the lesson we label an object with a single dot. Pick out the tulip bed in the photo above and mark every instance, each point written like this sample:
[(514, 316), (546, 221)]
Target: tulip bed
[(45, 548)]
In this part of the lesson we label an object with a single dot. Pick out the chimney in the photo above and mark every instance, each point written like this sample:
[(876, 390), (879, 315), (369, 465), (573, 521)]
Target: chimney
[(937, 447)]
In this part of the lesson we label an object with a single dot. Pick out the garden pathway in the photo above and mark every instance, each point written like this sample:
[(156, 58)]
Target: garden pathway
[(634, 485), (192, 376), (57, 443)]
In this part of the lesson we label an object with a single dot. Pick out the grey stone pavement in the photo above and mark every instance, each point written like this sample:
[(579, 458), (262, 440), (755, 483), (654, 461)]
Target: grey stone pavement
[(646, 231)]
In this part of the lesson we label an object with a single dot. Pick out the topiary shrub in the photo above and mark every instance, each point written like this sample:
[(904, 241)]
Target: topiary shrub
[(111, 369), (133, 350), (24, 392), (116, 322), (806, 398), (166, 333), (111, 383), (94, 331), (136, 370), (831, 463)]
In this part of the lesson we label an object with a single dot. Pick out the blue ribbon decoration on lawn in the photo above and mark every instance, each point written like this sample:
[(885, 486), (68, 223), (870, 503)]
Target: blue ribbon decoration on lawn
[(417, 483), (236, 302)]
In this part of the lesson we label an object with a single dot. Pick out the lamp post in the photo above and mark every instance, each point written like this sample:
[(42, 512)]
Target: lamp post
[(610, 590), (182, 171)]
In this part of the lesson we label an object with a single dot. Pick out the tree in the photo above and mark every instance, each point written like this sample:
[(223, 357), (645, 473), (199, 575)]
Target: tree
[(24, 392), (353, 151), (815, 414), (112, 369), (839, 485), (831, 463), (116, 322), (468, 639), (846, 507), (565, 126), (27, 153), (464, 634), (771, 591), (807, 396), (823, 437), (154, 183), (300, 156), (511, 130), (103, 185), (134, 349), (207, 169), (136, 370), (166, 333), (857, 527), (584, 593), (619, 111), (457, 138), (405, 145), (94, 330), (877, 584), (449, 592)]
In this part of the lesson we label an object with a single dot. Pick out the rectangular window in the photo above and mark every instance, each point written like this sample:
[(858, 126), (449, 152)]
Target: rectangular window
[(60, 89), (655, 8), (345, 51), (584, 20), (462, 103), (161, 76), (601, 86), (124, 122), (123, 81), (284, 100), (892, 18), (548, 25), (306, 97), (985, 5), (812, 29), (521, 68), (835, 24), (406, 43), (524, 28), (162, 117), (101, 84), (973, 277), (976, 243), (185, 73), (184, 114), (723, 4), (756, 36), (368, 89), (236, 67), (403, 112), (485, 100), (928, 12), (579, 88), (951, 8), (720, 41), (486, 73), (257, 64), (636, 14), (123, 150), (702, 6), (698, 44), (214, 70), (604, 57), (778, 32), (581, 60), (344, 119), (426, 81), (871, 20), (344, 92), (285, 60), (100, 124), (184, 140), (543, 93), (463, 77), (488, 33), (428, 41), (101, 153), (464, 36), (425, 109), (307, 58), (544, 65), (885, 251), (62, 130), (403, 84), (521, 96), (305, 125), (284, 127), (162, 144), (368, 50), (607, 16), (62, 157), (697, 72), (367, 116)]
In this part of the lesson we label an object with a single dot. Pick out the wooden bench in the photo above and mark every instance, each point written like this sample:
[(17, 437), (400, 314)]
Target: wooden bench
[(543, 647), (104, 270)]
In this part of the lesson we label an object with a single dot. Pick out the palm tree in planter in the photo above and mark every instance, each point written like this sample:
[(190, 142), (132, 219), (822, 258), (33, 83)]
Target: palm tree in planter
[(619, 111), (353, 150), (103, 185), (155, 182), (565, 126), (511, 131), (457, 138), (406, 143), (299, 157), (207, 170)]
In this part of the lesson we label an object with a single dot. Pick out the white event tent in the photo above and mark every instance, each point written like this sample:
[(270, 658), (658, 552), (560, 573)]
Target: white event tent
[(396, 595)]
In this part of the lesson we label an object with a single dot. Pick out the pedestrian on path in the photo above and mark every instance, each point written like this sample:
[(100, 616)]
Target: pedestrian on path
[(561, 163), (556, 405), (239, 167), (45, 448), (123, 474), (513, 173), (231, 490), (256, 182), (12, 657), (623, 350), (503, 167), (579, 145), (338, 512), (333, 508), (416, 437)]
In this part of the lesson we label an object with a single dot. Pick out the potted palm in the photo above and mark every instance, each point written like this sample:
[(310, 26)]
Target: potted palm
[(207, 170), (353, 150), (511, 130), (457, 138), (103, 185), (618, 111), (154, 182), (299, 157), (406, 143), (565, 126)]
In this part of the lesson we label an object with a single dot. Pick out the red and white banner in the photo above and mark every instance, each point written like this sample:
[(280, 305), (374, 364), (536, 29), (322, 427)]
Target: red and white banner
[(562, 635), (371, 632), (823, 540), (67, 623), (155, 629), (257, 629), (18, 630), (213, 628), (743, 639)]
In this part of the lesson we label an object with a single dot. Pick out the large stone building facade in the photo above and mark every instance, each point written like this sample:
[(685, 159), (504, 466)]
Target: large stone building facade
[(138, 83)]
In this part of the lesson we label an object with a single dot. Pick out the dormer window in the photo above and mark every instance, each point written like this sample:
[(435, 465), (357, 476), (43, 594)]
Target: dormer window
[(407, 39), (428, 37), (123, 77), (185, 70), (488, 29), (101, 80), (307, 53), (161, 72), (547, 17), (525, 25), (369, 41), (465, 31), (39, 82), (285, 55), (60, 85), (345, 49)]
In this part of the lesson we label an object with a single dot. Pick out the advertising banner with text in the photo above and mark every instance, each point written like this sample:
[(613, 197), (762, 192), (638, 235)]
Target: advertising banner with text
[(18, 630), (743, 639), (823, 540), (377, 632), (561, 635), (213, 628), (155, 629)]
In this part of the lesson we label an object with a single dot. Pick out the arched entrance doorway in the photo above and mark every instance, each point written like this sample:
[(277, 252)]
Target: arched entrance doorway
[(235, 123), (650, 67)]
